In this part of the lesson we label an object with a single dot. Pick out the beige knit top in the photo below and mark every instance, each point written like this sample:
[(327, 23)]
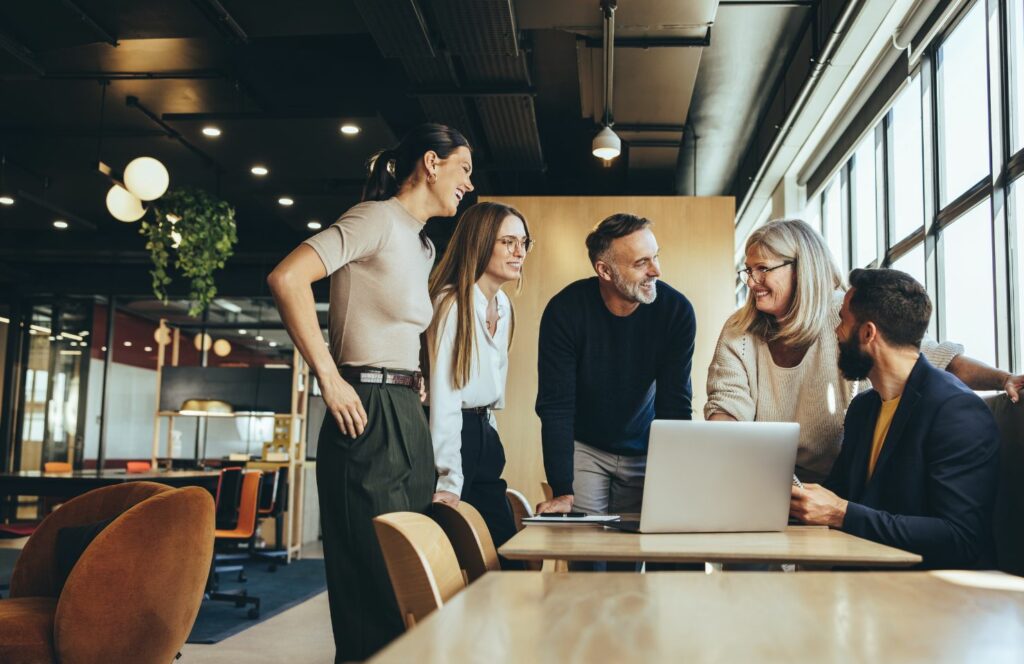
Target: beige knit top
[(379, 302), (744, 381)]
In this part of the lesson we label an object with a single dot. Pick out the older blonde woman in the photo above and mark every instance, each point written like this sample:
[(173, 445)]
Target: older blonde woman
[(776, 358)]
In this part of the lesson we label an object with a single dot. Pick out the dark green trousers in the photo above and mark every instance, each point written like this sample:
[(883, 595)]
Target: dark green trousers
[(389, 468)]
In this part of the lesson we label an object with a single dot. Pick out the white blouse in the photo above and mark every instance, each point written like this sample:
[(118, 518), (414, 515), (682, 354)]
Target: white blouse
[(485, 387)]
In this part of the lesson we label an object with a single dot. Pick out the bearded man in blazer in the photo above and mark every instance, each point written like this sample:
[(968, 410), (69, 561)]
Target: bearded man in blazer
[(920, 453)]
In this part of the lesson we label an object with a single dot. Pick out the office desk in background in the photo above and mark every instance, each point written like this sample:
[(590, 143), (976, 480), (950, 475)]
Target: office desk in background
[(69, 485), (725, 617), (808, 545)]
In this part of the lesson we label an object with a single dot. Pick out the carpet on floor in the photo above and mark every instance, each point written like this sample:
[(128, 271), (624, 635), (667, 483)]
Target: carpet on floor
[(278, 591)]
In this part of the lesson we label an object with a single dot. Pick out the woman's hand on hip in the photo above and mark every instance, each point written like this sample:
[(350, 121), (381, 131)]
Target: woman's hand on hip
[(344, 404), (446, 497)]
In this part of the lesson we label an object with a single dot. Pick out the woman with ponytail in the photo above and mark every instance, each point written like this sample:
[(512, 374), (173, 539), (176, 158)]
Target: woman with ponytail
[(468, 340), (375, 454)]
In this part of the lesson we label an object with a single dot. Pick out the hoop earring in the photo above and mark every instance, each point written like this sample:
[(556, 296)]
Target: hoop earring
[(431, 178)]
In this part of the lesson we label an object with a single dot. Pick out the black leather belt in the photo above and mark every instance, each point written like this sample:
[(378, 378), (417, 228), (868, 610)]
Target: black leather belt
[(382, 376), (477, 410)]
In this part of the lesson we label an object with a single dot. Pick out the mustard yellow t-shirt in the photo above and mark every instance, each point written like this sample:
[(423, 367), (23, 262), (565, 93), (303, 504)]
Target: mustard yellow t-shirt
[(881, 430)]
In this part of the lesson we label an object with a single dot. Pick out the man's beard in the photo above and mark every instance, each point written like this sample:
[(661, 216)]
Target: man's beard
[(854, 363), (633, 290)]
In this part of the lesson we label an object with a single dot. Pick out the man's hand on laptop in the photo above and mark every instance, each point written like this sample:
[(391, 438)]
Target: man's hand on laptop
[(556, 504), (817, 506)]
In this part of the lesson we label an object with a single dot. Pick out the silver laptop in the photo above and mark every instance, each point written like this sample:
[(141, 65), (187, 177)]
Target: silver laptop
[(717, 477)]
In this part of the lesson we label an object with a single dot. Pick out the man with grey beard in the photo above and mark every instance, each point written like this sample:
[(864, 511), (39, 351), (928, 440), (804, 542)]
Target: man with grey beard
[(615, 353)]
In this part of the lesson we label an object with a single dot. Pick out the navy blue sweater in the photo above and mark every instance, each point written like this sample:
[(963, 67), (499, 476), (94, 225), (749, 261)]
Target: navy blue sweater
[(597, 373)]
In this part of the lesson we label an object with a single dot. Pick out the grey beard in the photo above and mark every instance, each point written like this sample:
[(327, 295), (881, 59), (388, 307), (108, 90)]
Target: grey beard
[(633, 289)]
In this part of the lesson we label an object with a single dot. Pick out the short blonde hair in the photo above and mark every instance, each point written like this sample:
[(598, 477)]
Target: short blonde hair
[(816, 279)]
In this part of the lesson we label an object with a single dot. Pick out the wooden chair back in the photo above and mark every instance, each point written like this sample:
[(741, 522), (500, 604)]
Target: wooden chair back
[(421, 563), (467, 531)]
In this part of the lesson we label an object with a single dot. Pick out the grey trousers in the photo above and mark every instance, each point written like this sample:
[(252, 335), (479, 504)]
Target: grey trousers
[(606, 483)]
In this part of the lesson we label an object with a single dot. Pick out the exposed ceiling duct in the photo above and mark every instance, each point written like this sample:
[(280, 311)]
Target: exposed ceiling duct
[(478, 81), (657, 55)]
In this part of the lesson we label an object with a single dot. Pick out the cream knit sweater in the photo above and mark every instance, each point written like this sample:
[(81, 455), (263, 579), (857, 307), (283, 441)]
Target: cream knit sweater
[(744, 381)]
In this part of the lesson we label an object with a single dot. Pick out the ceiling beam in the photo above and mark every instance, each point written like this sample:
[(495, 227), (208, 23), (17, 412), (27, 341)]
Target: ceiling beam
[(88, 20)]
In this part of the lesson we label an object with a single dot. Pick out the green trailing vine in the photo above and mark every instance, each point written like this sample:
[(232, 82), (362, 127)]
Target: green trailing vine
[(206, 228)]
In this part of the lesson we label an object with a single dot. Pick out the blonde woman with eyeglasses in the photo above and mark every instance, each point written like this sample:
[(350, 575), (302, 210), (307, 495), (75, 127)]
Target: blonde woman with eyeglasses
[(777, 356), (468, 341)]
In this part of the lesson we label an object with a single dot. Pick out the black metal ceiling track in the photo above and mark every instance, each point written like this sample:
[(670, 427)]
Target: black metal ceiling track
[(653, 42), (133, 102), (59, 211), (91, 23)]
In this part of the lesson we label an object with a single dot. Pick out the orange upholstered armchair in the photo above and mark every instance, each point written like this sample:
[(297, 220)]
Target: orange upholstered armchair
[(133, 594)]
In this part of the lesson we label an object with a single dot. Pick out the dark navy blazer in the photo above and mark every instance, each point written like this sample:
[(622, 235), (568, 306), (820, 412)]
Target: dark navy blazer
[(934, 486)]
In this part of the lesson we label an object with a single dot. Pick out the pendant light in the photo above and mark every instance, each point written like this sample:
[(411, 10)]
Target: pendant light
[(606, 144), (146, 178)]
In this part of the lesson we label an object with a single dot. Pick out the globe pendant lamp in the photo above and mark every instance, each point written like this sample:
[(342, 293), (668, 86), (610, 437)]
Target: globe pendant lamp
[(123, 205), (146, 178)]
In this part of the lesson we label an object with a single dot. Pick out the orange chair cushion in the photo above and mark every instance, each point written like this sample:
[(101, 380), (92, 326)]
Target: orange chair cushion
[(26, 630)]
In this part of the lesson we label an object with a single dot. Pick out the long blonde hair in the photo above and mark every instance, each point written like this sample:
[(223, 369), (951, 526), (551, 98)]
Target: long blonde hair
[(816, 278), (454, 278)]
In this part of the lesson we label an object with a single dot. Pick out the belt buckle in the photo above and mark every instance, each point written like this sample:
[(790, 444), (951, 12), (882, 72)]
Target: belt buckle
[(372, 377)]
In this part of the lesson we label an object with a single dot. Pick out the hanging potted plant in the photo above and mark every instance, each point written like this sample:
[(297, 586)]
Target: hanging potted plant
[(200, 232)]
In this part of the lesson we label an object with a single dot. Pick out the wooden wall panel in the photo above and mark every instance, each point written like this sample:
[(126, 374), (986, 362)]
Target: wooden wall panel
[(695, 235)]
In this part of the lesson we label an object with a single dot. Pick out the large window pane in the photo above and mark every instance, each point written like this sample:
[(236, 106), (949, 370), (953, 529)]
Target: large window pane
[(1016, 44), (963, 107), (912, 263), (1018, 197), (969, 305), (864, 210), (832, 222), (908, 176)]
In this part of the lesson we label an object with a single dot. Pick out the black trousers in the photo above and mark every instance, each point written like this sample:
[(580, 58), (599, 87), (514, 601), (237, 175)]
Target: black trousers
[(483, 460), (389, 468)]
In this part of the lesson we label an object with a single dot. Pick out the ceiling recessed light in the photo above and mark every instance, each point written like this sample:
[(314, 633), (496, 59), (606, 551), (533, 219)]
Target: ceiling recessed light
[(285, 201), (259, 337), (259, 170), (211, 131), (148, 349), (60, 224), (273, 344), (349, 129), (314, 225), (243, 331), (6, 200), (127, 344)]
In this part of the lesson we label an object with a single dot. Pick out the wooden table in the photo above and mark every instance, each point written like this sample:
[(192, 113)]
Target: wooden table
[(752, 617), (809, 545)]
